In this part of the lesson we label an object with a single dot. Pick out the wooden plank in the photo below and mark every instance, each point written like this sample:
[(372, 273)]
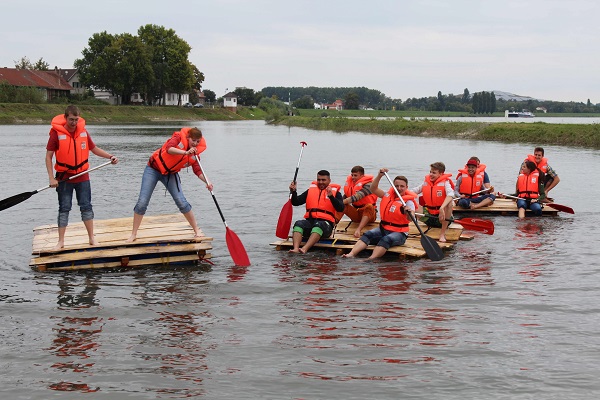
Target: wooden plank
[(408, 251), (503, 207), (345, 231), (158, 261), (119, 252)]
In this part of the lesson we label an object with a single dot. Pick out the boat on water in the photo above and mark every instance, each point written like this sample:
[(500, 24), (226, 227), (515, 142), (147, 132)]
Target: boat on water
[(518, 114)]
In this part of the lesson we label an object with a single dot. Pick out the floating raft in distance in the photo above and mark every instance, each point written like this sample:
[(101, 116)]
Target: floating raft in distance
[(343, 240), (165, 240), (503, 207)]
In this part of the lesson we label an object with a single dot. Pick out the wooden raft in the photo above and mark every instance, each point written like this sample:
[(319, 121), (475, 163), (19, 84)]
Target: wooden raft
[(162, 240), (503, 207), (343, 240)]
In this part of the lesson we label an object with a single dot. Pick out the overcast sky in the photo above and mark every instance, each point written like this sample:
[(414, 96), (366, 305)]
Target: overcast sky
[(545, 49)]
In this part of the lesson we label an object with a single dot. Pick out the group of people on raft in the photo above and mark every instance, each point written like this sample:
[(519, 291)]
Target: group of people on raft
[(70, 143), (327, 202)]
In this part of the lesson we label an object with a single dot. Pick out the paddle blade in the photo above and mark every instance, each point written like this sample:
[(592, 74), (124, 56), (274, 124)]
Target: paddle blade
[(476, 224), (433, 250), (285, 220), (236, 249), (562, 208), (16, 199)]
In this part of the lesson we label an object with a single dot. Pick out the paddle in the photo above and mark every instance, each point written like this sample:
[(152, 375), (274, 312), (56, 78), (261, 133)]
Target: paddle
[(18, 198), (433, 250), (472, 224), (285, 216), (234, 244), (481, 191), (558, 207)]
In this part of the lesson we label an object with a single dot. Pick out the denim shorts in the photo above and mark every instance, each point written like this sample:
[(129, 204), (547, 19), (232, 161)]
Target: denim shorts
[(83, 193), (384, 238)]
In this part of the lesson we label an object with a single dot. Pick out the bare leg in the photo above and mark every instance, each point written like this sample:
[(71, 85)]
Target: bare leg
[(378, 252), (445, 223), (521, 213), (358, 247), (191, 219), (296, 240), (89, 226), (483, 203), (137, 221), (312, 239), (363, 222), (61, 238)]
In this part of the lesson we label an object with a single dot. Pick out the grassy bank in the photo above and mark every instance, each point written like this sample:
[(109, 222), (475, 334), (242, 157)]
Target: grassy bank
[(15, 113), (538, 133)]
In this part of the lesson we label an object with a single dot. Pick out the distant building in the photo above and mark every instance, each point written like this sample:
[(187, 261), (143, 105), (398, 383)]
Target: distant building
[(230, 101), (52, 84), (71, 75), (336, 105), (542, 109)]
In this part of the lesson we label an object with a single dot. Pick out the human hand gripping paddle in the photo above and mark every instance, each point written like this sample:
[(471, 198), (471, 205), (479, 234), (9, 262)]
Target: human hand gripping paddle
[(491, 188), (558, 207), (18, 198), (285, 216), (433, 250), (234, 244)]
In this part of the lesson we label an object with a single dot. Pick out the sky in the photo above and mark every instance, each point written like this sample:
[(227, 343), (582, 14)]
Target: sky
[(545, 49)]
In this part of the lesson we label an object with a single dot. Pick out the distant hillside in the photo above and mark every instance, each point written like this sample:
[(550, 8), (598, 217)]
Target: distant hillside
[(512, 97)]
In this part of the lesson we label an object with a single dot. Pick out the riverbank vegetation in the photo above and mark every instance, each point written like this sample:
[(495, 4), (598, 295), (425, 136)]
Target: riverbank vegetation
[(539, 133), (15, 113)]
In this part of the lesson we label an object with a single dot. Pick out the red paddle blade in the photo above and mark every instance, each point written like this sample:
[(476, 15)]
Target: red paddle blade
[(236, 249), (475, 224), (562, 208), (285, 221)]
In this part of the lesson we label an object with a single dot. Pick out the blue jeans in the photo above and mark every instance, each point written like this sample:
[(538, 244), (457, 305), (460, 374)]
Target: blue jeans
[(384, 238), (171, 181), (527, 204), (466, 203), (83, 192)]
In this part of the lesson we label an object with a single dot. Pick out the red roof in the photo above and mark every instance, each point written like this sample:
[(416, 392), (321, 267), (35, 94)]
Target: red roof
[(34, 78)]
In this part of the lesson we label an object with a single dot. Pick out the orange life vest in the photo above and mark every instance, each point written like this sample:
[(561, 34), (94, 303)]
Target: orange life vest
[(392, 217), (528, 185), (471, 184), (480, 168), (434, 195), (167, 163), (542, 166), (318, 204), (73, 148), (351, 187)]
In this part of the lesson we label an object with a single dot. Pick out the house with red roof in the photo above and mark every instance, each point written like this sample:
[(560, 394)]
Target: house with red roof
[(336, 105), (51, 83)]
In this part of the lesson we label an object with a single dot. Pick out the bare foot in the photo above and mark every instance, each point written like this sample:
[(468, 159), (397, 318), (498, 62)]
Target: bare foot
[(349, 255), (294, 251), (302, 251), (131, 238), (357, 234), (442, 239), (93, 241), (59, 246)]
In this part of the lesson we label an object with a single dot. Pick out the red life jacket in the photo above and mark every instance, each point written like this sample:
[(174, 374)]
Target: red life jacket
[(542, 166), (351, 187), (318, 204), (392, 217), (434, 195), (528, 185), (480, 167), (73, 148), (167, 163), (471, 184)]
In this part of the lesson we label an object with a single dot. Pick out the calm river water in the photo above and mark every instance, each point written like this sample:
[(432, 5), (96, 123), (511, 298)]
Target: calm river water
[(510, 316)]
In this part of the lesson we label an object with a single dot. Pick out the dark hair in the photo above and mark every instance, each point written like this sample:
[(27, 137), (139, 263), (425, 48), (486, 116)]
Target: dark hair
[(401, 178), (323, 172), (73, 110), (530, 165), (438, 166), (541, 149), (358, 168)]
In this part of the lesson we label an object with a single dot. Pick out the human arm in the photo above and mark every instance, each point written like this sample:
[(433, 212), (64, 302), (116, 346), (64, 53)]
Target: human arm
[(555, 179), (101, 153), (364, 192), (52, 181), (448, 200), (375, 184), (456, 188), (337, 201), (297, 200)]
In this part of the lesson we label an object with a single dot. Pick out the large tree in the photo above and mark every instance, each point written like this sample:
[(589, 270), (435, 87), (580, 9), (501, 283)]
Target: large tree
[(351, 102), (25, 63), (117, 63), (169, 58)]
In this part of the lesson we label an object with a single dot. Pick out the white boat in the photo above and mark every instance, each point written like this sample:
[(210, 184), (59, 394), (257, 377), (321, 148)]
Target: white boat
[(518, 114)]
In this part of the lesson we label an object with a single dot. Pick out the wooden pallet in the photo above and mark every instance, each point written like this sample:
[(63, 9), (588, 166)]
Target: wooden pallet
[(343, 239), (502, 207), (162, 240)]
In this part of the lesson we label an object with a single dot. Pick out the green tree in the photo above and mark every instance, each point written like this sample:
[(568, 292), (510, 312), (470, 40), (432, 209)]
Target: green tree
[(210, 95), (24, 63), (304, 102), (351, 102), (245, 96), (466, 97)]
